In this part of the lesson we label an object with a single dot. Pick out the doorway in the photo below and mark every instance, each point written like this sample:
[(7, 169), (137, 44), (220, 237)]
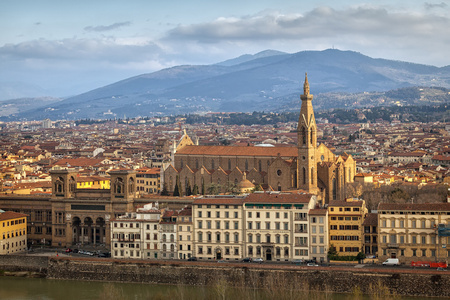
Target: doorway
[(268, 254)]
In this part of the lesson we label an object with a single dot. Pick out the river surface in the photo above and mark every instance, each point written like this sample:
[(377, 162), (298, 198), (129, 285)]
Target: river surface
[(14, 288)]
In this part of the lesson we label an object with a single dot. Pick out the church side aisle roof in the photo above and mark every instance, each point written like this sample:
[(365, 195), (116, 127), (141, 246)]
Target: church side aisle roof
[(240, 151)]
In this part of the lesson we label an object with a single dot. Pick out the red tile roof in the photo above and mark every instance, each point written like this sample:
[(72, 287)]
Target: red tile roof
[(8, 215), (239, 151), (278, 198)]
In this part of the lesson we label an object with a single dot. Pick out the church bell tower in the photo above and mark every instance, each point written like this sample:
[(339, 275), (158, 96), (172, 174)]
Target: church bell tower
[(307, 144)]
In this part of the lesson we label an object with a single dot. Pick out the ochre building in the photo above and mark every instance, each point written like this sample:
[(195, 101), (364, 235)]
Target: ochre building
[(308, 166)]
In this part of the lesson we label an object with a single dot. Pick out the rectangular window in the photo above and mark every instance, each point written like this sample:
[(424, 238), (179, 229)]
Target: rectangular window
[(217, 214), (286, 226), (267, 215), (217, 224), (267, 225), (200, 214), (249, 225), (200, 224), (249, 214), (236, 214), (227, 215), (236, 225)]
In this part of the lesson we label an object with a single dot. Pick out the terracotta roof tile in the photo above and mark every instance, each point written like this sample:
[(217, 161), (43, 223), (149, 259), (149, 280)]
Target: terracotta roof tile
[(415, 206), (8, 215), (239, 151)]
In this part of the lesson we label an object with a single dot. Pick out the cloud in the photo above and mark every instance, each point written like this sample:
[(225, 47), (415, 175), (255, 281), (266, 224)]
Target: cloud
[(435, 5), (318, 23), (102, 49), (102, 28)]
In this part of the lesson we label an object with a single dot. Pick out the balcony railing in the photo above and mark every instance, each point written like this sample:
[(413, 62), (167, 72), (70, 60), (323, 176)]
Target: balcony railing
[(301, 245), (301, 230)]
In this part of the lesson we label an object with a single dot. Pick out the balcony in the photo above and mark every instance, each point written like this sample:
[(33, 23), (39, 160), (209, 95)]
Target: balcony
[(301, 245), (301, 230)]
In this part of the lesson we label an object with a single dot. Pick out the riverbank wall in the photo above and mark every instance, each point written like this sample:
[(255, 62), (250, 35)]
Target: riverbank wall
[(404, 282)]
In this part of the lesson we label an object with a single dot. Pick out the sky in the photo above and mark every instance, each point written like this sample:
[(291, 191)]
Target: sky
[(69, 47)]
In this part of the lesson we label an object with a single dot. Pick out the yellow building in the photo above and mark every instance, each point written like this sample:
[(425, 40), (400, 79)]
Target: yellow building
[(410, 231), (345, 219), (93, 182), (148, 181), (13, 232)]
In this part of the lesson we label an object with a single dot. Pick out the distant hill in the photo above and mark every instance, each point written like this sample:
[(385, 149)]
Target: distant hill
[(267, 81)]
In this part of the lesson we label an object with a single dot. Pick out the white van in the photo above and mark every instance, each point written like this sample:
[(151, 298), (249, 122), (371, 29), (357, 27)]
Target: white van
[(391, 262)]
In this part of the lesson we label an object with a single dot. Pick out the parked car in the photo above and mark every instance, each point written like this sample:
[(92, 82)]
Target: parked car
[(258, 260), (221, 261), (68, 250), (391, 262), (298, 261), (102, 254), (441, 269), (312, 264), (193, 258), (75, 250), (247, 259)]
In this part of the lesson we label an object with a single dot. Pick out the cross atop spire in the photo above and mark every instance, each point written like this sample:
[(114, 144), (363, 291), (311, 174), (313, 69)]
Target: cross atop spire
[(306, 85)]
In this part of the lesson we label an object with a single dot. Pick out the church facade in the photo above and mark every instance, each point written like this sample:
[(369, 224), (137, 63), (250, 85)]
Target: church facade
[(308, 167)]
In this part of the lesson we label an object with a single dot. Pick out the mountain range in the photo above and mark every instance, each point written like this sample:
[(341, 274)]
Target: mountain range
[(267, 81)]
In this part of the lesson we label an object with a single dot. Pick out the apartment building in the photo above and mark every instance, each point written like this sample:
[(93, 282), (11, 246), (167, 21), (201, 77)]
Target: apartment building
[(370, 242), (218, 229), (13, 234), (318, 225), (148, 181), (272, 226), (184, 231), (168, 235), (136, 234), (414, 231), (345, 219)]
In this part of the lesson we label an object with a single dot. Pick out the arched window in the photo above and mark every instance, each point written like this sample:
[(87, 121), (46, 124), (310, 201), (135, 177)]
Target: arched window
[(196, 163), (246, 165), (213, 165), (334, 189), (303, 135), (229, 164), (72, 184), (304, 175), (131, 186), (118, 186), (59, 185), (172, 239), (311, 136), (182, 163), (312, 175), (172, 248), (259, 166)]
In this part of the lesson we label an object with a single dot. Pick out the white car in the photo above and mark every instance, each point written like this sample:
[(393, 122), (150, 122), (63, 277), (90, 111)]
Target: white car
[(258, 260), (312, 265)]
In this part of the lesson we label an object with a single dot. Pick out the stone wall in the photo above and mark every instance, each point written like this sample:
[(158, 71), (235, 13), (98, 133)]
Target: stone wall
[(418, 282), (425, 282), (24, 263)]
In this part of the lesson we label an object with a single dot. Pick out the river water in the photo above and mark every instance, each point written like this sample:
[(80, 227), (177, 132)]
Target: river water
[(14, 288)]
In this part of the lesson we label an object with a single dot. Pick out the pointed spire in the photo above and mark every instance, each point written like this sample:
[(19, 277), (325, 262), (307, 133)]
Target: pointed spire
[(306, 85)]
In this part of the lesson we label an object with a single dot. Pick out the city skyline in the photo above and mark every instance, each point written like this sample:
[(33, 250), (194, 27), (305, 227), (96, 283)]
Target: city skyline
[(69, 48)]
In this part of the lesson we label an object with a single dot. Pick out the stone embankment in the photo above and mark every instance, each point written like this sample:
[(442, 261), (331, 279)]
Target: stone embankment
[(423, 282)]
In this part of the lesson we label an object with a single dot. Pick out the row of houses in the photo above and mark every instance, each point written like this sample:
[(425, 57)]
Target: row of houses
[(281, 227)]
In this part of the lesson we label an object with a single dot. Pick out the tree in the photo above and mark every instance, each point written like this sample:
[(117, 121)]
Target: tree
[(213, 189), (188, 189), (176, 190), (164, 191), (332, 251), (195, 190), (258, 188)]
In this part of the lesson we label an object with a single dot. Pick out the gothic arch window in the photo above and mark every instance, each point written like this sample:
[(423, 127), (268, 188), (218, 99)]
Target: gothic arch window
[(235, 181), (118, 186), (334, 188), (72, 184), (312, 175), (279, 186), (304, 175), (59, 185), (246, 165), (213, 165), (196, 163), (182, 163), (170, 182), (303, 135), (259, 166), (229, 164), (311, 136)]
